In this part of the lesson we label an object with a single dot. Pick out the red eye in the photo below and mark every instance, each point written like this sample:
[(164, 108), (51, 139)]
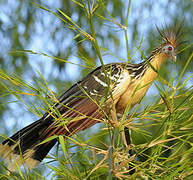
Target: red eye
[(170, 48)]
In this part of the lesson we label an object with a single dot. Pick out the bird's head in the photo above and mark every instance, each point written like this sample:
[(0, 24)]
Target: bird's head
[(170, 42)]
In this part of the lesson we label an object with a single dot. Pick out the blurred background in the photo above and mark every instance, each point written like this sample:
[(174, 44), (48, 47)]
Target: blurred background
[(25, 26)]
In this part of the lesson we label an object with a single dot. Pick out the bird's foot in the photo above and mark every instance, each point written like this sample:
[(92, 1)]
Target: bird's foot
[(115, 124)]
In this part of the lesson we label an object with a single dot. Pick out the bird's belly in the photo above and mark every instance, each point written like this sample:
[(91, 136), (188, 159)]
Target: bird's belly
[(132, 95)]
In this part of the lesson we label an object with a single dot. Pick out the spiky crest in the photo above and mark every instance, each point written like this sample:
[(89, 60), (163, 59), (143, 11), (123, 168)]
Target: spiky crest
[(171, 35)]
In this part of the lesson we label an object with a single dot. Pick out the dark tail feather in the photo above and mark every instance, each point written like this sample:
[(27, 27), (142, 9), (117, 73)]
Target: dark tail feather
[(22, 146), (25, 143)]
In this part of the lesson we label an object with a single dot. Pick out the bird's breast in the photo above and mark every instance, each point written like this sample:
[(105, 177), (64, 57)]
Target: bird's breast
[(135, 91)]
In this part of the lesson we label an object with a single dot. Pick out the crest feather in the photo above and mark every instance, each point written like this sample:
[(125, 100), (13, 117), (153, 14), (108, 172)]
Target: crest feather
[(171, 35)]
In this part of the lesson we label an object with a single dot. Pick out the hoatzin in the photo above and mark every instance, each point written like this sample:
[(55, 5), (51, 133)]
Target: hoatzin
[(107, 90)]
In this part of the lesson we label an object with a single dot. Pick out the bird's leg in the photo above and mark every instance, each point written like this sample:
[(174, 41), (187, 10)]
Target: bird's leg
[(119, 117), (115, 123), (127, 136), (131, 152), (124, 138), (114, 120)]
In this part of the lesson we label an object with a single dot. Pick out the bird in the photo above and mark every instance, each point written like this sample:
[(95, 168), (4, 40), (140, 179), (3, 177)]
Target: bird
[(105, 92)]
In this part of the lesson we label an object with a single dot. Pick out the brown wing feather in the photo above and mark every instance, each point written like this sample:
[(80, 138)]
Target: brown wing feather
[(82, 112), (81, 115), (76, 102)]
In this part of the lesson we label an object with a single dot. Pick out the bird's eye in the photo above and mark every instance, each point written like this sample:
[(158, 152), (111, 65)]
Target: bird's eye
[(167, 49), (170, 48)]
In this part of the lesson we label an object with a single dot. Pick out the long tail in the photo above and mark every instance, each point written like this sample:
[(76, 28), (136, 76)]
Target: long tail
[(24, 146)]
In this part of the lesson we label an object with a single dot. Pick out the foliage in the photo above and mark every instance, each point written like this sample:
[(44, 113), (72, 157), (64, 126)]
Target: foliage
[(161, 130)]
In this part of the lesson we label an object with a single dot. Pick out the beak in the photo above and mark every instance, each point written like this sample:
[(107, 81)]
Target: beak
[(174, 57)]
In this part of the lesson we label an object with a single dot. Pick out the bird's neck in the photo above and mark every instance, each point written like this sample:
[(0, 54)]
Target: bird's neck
[(156, 60)]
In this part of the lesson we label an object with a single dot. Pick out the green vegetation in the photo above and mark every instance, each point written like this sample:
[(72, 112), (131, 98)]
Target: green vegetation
[(161, 125)]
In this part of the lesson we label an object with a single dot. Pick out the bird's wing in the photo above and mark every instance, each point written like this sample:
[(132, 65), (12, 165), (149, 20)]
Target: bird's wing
[(81, 104)]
